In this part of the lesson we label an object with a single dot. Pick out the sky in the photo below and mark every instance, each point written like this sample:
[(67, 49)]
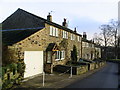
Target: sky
[(85, 15)]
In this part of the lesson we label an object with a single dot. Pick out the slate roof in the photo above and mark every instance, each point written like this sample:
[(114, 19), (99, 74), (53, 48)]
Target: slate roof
[(10, 37), (22, 24), (89, 41), (35, 21), (52, 46)]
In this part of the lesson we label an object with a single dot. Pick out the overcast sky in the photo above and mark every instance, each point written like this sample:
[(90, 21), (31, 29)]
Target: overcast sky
[(86, 15)]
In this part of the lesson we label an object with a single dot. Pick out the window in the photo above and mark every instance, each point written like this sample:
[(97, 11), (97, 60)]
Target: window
[(62, 54), (86, 45), (49, 57), (57, 57), (83, 44), (53, 31), (79, 38), (65, 34), (56, 34), (72, 37)]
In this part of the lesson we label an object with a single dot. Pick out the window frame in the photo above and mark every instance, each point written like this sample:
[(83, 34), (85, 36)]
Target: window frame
[(59, 55), (53, 31), (65, 34), (62, 54)]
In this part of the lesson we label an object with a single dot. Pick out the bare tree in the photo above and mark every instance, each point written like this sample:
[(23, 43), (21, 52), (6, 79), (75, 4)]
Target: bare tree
[(97, 39), (106, 33), (114, 25)]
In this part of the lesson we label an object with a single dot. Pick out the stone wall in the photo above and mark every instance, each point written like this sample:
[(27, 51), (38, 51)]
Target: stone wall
[(79, 69), (40, 40)]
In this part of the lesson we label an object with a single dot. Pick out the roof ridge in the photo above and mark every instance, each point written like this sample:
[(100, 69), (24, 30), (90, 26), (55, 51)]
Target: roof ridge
[(50, 22)]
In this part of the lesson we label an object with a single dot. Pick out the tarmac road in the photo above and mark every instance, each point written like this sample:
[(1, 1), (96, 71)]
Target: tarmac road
[(107, 77)]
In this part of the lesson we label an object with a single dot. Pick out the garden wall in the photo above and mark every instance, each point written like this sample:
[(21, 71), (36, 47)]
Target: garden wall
[(78, 69)]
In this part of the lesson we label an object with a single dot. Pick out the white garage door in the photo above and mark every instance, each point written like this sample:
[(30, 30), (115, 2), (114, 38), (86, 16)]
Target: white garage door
[(34, 63)]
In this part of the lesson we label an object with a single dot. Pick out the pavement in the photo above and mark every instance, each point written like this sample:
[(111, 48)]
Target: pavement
[(55, 80)]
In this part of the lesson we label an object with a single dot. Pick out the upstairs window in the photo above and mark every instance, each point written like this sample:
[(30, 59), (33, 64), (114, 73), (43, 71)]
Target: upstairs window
[(65, 34), (79, 38), (56, 33), (53, 31), (72, 37), (83, 44)]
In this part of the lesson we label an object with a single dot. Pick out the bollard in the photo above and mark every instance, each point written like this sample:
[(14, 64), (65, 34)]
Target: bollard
[(71, 73), (43, 79)]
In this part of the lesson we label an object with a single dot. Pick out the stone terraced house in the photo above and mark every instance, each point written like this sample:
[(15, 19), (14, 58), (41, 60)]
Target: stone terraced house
[(90, 50), (41, 43)]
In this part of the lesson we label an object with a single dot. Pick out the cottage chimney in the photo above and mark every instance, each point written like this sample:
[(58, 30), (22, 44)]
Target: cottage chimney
[(64, 23), (49, 17), (75, 30), (84, 35)]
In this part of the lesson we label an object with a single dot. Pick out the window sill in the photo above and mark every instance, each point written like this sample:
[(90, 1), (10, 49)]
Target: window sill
[(57, 59), (53, 36), (62, 58)]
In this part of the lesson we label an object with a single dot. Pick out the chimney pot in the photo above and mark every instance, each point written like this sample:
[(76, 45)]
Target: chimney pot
[(84, 35), (49, 17), (75, 30), (64, 23)]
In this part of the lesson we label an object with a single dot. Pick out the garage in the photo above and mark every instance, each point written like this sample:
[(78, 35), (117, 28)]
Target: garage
[(34, 63)]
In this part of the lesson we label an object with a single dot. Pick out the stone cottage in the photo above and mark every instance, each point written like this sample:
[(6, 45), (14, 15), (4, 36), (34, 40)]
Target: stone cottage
[(90, 50), (41, 43)]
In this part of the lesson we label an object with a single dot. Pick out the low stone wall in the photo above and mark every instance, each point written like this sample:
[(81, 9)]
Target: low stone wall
[(62, 68), (76, 70), (91, 66), (96, 65), (79, 69)]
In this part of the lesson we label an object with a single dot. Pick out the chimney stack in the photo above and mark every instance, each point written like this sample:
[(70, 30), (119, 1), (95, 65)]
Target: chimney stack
[(75, 30), (84, 36), (49, 17), (64, 23)]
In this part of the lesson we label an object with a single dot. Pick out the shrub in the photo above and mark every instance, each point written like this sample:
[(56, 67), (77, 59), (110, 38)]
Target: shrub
[(74, 54), (13, 66), (21, 68), (4, 70)]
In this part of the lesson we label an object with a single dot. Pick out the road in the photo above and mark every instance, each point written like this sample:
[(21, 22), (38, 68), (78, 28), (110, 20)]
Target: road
[(107, 77)]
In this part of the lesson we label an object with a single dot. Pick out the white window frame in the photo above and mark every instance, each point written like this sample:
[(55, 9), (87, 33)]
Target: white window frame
[(62, 54), (65, 34), (59, 55), (56, 32), (53, 31), (79, 38), (72, 37)]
